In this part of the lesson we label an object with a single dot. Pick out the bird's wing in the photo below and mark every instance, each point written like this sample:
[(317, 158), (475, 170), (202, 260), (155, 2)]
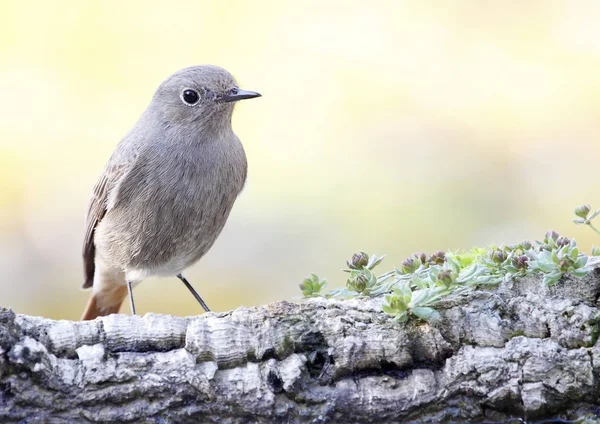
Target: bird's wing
[(99, 204)]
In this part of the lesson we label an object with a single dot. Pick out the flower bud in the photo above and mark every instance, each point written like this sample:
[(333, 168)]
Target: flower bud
[(526, 244), (420, 256), (552, 235), (438, 258), (564, 264), (409, 265), (358, 261), (360, 283), (445, 277), (583, 211), (562, 241), (499, 256), (520, 262)]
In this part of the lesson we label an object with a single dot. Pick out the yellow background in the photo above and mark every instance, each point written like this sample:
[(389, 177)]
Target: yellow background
[(387, 126)]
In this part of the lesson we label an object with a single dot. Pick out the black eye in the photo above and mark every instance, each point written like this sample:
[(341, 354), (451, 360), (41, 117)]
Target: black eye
[(191, 97), (234, 90)]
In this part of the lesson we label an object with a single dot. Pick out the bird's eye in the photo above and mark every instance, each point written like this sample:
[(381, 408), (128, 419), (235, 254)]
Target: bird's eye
[(190, 96), (234, 90)]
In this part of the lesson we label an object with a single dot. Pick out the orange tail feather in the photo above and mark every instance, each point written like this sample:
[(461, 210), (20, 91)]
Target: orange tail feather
[(114, 299)]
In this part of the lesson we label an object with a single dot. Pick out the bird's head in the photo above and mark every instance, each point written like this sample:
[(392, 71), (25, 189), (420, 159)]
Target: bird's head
[(202, 94)]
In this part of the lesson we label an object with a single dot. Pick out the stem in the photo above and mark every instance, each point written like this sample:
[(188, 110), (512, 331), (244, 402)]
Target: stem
[(593, 228), (384, 277)]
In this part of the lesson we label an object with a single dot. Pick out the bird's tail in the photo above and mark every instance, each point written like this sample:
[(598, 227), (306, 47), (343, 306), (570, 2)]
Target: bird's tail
[(104, 303)]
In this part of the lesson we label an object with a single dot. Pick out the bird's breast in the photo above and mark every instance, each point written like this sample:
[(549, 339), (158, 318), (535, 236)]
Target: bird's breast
[(181, 205)]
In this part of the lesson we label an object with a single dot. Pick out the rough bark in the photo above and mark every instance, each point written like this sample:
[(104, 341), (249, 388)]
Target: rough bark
[(521, 350)]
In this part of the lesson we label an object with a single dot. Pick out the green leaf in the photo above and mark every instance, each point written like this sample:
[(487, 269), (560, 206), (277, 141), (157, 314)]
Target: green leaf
[(419, 282), (419, 297), (552, 278), (582, 272), (468, 272), (379, 290), (545, 266), (374, 261), (473, 273), (426, 313), (490, 279), (341, 292), (453, 265), (574, 253), (388, 310), (580, 262)]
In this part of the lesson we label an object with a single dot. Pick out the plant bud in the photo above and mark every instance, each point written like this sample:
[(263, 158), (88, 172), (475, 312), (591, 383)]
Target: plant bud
[(360, 283), (562, 241), (564, 264), (395, 303), (445, 277), (358, 261), (583, 211), (499, 256), (552, 235), (520, 262), (526, 245), (438, 258), (420, 256), (409, 265)]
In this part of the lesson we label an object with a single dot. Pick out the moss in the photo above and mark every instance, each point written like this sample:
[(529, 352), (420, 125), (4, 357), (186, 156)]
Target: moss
[(287, 345), (595, 331), (516, 334)]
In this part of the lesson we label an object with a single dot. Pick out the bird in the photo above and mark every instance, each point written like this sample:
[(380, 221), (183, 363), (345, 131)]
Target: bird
[(167, 189)]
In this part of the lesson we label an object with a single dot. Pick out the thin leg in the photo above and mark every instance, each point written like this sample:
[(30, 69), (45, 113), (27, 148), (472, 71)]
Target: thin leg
[(196, 295), (131, 298)]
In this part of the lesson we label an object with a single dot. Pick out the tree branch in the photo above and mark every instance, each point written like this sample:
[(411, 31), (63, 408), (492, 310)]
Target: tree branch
[(523, 349)]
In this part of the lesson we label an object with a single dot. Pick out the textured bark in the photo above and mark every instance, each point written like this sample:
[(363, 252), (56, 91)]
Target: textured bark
[(522, 350)]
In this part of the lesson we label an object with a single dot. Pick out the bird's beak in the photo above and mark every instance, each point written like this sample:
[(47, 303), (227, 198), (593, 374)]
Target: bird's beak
[(241, 95)]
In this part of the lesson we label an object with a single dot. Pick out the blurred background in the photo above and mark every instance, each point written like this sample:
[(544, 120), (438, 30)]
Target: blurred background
[(388, 126)]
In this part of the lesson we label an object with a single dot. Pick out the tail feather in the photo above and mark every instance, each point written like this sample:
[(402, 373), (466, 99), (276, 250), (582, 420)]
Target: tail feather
[(103, 303)]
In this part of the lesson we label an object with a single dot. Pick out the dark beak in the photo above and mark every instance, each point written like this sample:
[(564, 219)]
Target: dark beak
[(241, 95)]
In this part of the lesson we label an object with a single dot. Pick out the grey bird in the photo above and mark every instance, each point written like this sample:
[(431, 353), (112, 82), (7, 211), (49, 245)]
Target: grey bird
[(167, 190)]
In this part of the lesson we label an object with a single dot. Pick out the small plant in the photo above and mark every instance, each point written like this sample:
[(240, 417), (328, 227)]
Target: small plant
[(584, 217), (404, 301), (362, 282), (557, 256), (312, 286), (421, 281)]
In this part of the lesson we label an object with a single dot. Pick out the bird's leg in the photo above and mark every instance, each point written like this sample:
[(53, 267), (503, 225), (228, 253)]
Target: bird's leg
[(131, 298), (196, 295)]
